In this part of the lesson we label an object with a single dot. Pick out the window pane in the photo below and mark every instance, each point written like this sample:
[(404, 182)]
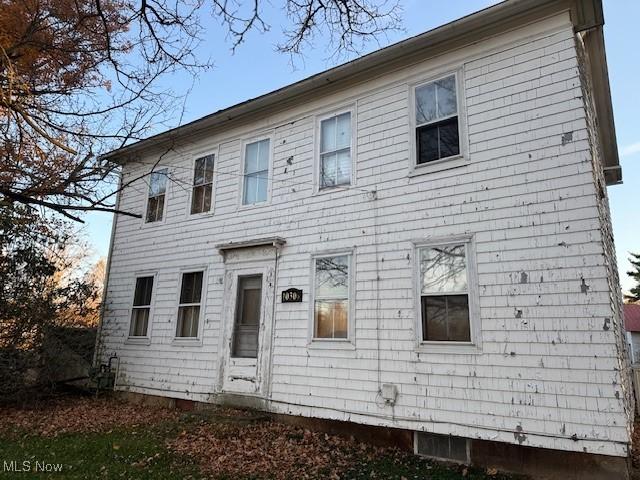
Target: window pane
[(263, 155), (188, 321), (331, 318), (139, 322), (207, 197), (203, 172), (158, 182), (343, 127), (458, 318), (197, 199), (191, 287), (446, 93), (251, 157), (343, 174), (208, 174), (448, 136), (201, 198), (250, 189), (155, 207), (434, 318), (443, 269), (143, 289), (198, 176), (152, 205), (427, 143), (426, 110), (328, 129), (328, 169), (446, 318), (263, 182), (332, 276)]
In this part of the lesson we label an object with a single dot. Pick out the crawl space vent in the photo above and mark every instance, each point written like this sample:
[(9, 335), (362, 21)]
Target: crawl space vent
[(442, 447)]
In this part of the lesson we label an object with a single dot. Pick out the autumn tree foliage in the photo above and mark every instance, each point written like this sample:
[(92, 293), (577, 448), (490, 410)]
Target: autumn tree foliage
[(78, 78), (43, 301)]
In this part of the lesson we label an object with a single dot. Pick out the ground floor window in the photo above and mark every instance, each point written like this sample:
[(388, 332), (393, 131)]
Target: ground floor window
[(141, 307), (190, 302), (331, 297), (444, 293)]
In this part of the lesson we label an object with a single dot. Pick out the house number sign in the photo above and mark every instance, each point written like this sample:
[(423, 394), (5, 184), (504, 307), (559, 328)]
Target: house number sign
[(291, 295)]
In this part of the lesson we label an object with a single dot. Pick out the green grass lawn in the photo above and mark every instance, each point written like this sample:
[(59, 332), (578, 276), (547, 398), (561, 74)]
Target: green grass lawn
[(116, 454), (146, 451)]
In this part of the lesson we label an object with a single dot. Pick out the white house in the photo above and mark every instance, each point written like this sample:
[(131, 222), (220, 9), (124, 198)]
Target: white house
[(417, 239)]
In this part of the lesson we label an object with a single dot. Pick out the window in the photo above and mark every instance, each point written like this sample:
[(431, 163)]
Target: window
[(202, 184), (189, 307), (141, 307), (437, 129), (157, 191), (335, 151), (444, 293), (331, 297), (256, 172), (247, 321)]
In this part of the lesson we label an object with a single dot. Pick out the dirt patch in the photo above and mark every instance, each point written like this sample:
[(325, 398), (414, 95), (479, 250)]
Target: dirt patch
[(82, 414)]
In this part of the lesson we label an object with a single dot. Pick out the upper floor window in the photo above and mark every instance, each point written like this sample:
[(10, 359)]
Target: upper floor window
[(331, 297), (202, 184), (157, 192), (256, 172), (436, 120), (189, 307), (141, 307), (335, 151), (444, 293)]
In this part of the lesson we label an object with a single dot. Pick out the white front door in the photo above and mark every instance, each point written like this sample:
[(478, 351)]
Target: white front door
[(247, 315)]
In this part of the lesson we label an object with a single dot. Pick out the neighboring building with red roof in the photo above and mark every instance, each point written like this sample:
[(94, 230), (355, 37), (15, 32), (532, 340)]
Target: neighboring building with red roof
[(632, 326)]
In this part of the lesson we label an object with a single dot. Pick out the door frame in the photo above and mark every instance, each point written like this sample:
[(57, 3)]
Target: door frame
[(234, 374)]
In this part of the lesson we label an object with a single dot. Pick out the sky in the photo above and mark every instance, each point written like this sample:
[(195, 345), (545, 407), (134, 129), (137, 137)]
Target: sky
[(256, 68)]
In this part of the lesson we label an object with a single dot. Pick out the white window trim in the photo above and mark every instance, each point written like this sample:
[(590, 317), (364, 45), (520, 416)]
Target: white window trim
[(194, 156), (317, 188), (243, 147), (349, 342), (197, 340), (166, 197), (448, 162), (142, 340), (435, 346)]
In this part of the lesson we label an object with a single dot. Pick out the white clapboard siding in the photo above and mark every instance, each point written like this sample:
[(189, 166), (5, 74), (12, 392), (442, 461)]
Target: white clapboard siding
[(550, 360)]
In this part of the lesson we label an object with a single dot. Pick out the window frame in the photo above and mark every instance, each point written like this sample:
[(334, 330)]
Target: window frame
[(453, 161), (317, 145), (157, 168), (195, 156), (139, 339), (349, 341), (243, 148), (197, 340), (440, 346)]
